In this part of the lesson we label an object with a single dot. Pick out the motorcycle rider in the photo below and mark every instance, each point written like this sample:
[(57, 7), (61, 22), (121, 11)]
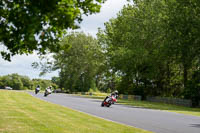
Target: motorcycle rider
[(114, 94), (48, 91), (37, 89)]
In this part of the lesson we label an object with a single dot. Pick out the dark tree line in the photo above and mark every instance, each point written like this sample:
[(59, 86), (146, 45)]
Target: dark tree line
[(155, 47)]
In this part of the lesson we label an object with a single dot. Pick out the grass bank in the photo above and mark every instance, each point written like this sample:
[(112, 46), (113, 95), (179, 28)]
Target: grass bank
[(163, 106), (22, 113)]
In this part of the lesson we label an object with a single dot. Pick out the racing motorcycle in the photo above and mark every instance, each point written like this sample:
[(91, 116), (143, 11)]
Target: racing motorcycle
[(108, 101), (37, 90), (47, 92)]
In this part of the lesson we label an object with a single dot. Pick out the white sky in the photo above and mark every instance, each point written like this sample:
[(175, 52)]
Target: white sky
[(22, 64)]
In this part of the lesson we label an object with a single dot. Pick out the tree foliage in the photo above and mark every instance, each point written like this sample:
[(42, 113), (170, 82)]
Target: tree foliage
[(154, 46), (28, 25), (79, 63), (19, 82)]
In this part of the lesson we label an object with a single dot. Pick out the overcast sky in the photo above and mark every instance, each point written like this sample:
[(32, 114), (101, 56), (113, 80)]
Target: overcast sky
[(22, 64)]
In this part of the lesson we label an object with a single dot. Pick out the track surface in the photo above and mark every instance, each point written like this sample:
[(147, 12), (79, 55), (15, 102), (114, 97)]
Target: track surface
[(148, 119)]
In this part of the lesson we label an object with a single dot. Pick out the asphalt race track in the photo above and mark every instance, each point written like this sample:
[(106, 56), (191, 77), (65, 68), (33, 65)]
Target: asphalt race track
[(148, 119)]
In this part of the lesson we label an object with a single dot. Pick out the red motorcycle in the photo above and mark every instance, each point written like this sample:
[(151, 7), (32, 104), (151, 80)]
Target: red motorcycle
[(108, 101)]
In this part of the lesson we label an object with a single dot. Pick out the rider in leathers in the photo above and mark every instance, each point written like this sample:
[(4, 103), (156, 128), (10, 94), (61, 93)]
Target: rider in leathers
[(115, 94)]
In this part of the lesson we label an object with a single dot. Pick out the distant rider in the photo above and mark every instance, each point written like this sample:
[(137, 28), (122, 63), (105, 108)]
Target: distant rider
[(48, 89), (37, 89)]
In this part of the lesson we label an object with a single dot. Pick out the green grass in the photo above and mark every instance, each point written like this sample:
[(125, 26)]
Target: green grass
[(22, 113), (163, 106), (157, 106)]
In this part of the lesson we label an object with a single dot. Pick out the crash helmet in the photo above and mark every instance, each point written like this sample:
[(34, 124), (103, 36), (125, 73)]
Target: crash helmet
[(38, 86), (116, 92)]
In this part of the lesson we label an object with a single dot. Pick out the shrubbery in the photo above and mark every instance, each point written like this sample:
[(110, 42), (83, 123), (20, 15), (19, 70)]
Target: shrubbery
[(18, 82)]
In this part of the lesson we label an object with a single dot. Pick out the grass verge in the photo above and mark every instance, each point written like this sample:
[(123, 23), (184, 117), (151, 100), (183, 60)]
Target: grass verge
[(157, 106), (22, 113)]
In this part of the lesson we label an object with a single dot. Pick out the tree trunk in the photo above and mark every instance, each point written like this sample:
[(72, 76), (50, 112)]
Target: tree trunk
[(185, 75)]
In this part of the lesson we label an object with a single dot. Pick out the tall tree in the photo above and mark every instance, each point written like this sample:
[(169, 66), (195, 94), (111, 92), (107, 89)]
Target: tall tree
[(133, 41), (79, 62), (184, 25), (154, 45)]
